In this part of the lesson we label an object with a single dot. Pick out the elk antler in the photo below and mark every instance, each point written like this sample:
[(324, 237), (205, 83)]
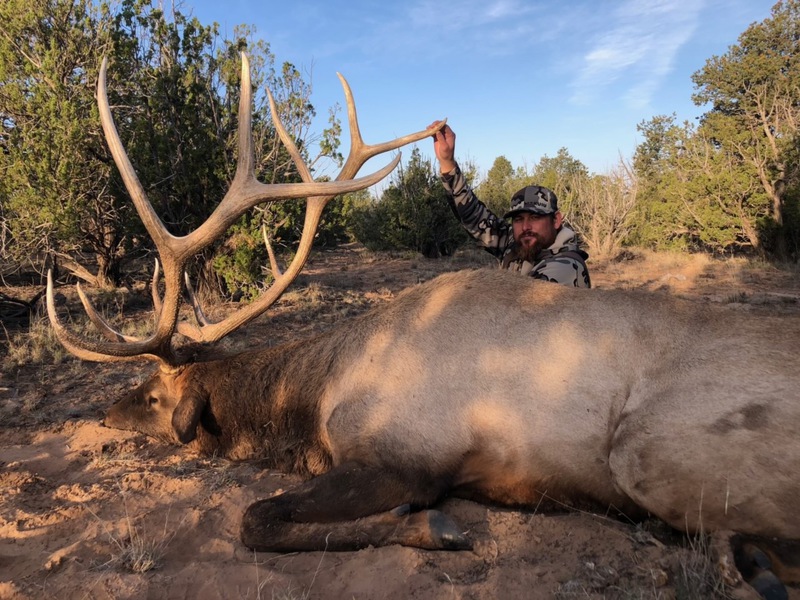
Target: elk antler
[(244, 193)]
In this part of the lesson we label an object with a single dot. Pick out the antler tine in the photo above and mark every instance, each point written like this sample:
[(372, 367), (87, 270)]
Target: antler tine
[(201, 317), (184, 328), (273, 261), (245, 192), (159, 343), (152, 223), (154, 288), (94, 351), (288, 142), (361, 152), (99, 322)]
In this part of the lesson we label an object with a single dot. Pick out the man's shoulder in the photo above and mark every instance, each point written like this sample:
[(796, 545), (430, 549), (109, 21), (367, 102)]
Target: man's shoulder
[(566, 268), (575, 253), (564, 262), (567, 244)]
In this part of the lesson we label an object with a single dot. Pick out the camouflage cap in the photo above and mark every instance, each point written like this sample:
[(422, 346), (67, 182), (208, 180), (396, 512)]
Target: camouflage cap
[(533, 199)]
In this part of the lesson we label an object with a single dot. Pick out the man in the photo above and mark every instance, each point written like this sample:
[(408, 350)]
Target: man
[(536, 243)]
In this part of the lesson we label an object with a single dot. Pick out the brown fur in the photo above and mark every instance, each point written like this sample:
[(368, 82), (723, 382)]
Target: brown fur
[(514, 390)]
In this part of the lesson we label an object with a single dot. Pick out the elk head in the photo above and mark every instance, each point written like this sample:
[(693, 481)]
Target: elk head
[(163, 406)]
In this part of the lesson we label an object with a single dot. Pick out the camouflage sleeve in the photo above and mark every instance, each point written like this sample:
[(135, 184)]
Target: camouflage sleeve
[(563, 270), (492, 233)]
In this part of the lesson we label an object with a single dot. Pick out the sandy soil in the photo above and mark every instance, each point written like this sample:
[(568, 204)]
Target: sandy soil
[(92, 512)]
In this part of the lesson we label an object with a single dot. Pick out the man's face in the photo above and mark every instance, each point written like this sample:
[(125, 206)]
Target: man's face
[(534, 232)]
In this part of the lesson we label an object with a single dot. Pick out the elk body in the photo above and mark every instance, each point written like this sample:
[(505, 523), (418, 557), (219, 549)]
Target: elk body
[(480, 384), (492, 386)]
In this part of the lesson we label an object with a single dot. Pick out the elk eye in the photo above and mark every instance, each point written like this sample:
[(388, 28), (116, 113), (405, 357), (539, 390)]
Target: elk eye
[(152, 400)]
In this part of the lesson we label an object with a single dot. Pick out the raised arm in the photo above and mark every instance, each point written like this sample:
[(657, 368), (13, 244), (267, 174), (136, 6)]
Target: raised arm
[(444, 145)]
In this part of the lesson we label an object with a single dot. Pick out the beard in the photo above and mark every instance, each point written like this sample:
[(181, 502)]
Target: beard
[(528, 246)]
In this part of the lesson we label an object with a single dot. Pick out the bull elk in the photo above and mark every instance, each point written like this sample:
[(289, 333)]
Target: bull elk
[(479, 384)]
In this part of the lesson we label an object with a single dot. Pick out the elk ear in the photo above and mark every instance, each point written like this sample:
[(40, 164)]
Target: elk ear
[(186, 415)]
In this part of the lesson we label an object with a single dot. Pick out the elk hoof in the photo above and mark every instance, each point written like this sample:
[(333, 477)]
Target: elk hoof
[(757, 568), (446, 533), (769, 586)]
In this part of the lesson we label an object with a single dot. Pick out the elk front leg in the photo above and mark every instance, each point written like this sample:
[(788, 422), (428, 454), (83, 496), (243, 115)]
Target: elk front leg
[(353, 506)]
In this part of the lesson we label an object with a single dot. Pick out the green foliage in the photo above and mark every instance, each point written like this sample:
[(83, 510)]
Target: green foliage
[(336, 226), (54, 167), (561, 173), (693, 195), (659, 222), (500, 184), (412, 214), (239, 261), (754, 93), (285, 220), (174, 88), (169, 113), (731, 182)]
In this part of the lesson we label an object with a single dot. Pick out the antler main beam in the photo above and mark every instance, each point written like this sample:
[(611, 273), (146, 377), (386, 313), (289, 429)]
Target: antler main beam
[(244, 193)]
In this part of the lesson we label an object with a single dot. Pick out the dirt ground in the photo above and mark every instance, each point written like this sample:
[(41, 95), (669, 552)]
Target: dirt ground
[(92, 512)]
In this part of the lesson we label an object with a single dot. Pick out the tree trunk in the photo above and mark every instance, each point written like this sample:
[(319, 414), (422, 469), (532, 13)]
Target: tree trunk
[(108, 271)]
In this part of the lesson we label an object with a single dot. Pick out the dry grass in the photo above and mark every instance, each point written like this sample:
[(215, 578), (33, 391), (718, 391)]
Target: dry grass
[(698, 575), (292, 594), (38, 345), (312, 296), (695, 576), (140, 554), (289, 592), (137, 550)]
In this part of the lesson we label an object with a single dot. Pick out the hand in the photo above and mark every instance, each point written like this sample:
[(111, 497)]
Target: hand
[(444, 145)]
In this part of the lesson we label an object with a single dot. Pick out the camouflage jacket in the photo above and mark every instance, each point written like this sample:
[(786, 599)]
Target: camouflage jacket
[(563, 262)]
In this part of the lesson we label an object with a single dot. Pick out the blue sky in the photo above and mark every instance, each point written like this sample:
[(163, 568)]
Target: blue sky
[(517, 78)]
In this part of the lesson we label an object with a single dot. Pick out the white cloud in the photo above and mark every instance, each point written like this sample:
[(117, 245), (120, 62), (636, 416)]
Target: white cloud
[(494, 27), (500, 9), (455, 15), (640, 46)]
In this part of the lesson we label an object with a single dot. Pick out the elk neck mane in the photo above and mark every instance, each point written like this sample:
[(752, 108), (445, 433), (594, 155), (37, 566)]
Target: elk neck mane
[(264, 402)]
